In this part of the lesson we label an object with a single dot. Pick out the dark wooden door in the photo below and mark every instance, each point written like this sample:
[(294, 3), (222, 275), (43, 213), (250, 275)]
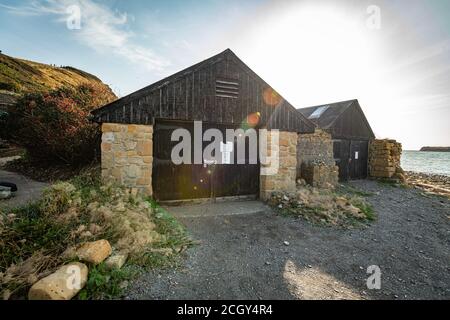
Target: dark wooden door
[(341, 150), (196, 181), (358, 159)]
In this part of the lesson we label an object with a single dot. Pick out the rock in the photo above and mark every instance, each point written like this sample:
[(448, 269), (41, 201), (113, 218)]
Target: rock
[(94, 252), (64, 284), (286, 243), (353, 210), (124, 285), (5, 193), (341, 202), (95, 228), (86, 234), (116, 261), (6, 294), (69, 254)]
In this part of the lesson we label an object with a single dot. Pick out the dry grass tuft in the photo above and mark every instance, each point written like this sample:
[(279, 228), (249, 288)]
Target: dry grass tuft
[(323, 206)]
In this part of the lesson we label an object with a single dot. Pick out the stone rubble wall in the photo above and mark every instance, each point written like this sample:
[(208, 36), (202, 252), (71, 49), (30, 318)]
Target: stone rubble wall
[(384, 159), (284, 179), (127, 156), (315, 159)]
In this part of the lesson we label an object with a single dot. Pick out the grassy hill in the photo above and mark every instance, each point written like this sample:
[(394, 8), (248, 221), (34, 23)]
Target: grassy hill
[(22, 76)]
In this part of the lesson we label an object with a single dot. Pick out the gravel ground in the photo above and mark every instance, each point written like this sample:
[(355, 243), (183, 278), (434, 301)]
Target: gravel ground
[(265, 256), (28, 189)]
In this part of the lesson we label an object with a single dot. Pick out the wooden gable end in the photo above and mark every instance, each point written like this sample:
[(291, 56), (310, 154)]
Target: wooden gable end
[(221, 89), (352, 124)]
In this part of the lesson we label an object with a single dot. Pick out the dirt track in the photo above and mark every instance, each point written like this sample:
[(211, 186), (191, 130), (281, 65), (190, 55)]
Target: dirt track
[(245, 257)]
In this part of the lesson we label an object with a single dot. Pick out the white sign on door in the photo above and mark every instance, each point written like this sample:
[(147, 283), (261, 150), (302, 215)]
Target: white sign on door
[(356, 155), (226, 149)]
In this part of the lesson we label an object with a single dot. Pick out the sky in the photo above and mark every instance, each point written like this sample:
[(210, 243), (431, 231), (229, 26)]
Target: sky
[(391, 55)]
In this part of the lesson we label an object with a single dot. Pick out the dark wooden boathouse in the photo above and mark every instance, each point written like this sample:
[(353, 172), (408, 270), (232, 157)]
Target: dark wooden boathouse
[(351, 133), (222, 92)]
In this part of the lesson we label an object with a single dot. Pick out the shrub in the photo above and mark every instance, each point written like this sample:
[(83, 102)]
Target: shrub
[(54, 127)]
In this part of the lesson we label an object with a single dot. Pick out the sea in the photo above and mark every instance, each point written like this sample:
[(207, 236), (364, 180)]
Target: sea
[(426, 162)]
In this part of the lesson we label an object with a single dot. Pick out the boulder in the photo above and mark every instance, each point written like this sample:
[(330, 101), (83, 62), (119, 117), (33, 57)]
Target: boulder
[(94, 252), (64, 284), (116, 261)]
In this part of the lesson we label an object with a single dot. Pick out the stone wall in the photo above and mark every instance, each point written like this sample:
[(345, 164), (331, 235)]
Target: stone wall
[(384, 159), (315, 159), (127, 156), (284, 178)]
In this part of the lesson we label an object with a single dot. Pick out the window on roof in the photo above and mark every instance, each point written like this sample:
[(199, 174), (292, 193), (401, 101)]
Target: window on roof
[(226, 88), (318, 112)]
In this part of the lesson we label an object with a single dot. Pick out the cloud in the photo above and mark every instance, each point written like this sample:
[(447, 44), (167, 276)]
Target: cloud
[(102, 29)]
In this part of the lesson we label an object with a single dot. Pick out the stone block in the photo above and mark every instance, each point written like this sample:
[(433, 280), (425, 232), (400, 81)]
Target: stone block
[(94, 252), (64, 284), (145, 148), (116, 261), (106, 147)]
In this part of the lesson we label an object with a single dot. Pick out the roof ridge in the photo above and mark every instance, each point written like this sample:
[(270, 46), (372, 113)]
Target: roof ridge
[(329, 104)]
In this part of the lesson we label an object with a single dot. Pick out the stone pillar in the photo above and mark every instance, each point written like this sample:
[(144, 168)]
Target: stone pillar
[(127, 156), (384, 159), (284, 179), (315, 159)]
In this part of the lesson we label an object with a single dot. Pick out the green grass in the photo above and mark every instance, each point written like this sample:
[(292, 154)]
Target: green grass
[(365, 208), (103, 283)]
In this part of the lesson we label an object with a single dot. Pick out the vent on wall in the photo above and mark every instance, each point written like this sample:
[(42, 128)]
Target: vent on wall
[(227, 88)]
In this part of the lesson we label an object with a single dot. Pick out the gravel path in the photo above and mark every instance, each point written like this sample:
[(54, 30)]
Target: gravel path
[(265, 256)]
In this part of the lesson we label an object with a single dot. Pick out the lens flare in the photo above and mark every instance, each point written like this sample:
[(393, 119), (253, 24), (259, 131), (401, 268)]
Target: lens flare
[(251, 121), (271, 97)]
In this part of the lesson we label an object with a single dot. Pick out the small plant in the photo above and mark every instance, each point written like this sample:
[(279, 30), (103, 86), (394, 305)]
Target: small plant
[(104, 283), (365, 207)]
